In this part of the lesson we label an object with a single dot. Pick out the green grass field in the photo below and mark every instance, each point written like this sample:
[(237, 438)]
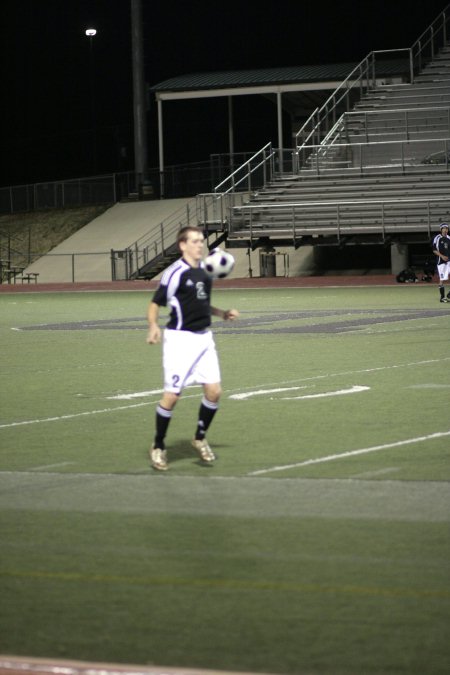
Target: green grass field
[(319, 541)]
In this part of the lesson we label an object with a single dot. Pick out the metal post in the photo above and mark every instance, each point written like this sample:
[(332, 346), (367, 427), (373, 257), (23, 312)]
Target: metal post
[(338, 224), (230, 127), (136, 252), (162, 238), (139, 98), (280, 132), (160, 150), (113, 265)]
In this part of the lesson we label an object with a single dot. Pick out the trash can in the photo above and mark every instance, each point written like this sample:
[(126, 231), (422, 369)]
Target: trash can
[(267, 263)]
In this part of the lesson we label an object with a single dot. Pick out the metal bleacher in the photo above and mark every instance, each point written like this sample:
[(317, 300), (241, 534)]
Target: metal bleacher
[(380, 172), (371, 165)]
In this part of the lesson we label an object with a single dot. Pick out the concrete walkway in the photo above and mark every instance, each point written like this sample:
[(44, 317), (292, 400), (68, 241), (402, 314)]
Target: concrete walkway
[(86, 255)]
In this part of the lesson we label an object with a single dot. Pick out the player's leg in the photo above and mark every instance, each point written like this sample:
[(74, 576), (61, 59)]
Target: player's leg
[(443, 272), (447, 277), (440, 273), (207, 372), (208, 408), (164, 411), (173, 382)]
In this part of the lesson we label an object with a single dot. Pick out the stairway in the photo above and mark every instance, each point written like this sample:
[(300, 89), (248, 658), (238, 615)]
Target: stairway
[(371, 179)]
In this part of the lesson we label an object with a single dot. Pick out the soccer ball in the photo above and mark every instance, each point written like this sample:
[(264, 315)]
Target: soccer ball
[(218, 263)]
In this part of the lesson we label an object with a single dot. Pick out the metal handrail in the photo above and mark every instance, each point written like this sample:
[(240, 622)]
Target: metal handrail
[(267, 155), (355, 148), (336, 221), (161, 237), (362, 76), (419, 117), (367, 70)]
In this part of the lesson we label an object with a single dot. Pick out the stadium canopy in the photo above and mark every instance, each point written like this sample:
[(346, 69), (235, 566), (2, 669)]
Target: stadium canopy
[(298, 89)]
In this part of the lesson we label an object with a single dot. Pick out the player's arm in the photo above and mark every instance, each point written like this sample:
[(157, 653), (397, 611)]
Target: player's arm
[(225, 314), (154, 331)]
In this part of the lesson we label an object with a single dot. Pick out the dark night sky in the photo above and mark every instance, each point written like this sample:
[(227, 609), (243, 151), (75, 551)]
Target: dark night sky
[(48, 69)]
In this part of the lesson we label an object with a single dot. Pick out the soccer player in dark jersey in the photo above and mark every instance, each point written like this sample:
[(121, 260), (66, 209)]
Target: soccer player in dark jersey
[(441, 249), (189, 352)]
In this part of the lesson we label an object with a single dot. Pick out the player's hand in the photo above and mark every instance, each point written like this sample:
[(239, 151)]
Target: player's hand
[(154, 335), (230, 314)]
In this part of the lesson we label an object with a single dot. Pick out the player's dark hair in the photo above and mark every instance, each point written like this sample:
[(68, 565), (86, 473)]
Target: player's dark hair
[(184, 232)]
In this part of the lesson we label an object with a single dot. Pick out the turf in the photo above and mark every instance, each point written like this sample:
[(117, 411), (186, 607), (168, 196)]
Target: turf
[(319, 541)]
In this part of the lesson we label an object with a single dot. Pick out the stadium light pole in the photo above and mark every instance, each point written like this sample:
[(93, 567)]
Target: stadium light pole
[(145, 188), (91, 33)]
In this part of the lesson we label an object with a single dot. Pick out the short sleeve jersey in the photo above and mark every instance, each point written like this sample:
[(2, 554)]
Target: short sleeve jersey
[(441, 243), (187, 291)]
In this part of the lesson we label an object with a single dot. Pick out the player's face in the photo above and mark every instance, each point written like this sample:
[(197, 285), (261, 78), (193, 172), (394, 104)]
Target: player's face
[(192, 248)]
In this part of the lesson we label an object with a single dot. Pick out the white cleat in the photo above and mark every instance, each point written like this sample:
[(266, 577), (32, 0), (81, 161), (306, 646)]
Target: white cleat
[(158, 458), (204, 451)]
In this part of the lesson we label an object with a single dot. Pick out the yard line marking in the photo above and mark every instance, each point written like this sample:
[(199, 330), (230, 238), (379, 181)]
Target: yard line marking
[(137, 394), (142, 394), (351, 453), (355, 372), (305, 379), (73, 415), (258, 392), (353, 390), (85, 413)]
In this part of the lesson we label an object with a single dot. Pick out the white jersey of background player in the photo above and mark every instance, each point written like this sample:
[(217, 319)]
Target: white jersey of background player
[(441, 249)]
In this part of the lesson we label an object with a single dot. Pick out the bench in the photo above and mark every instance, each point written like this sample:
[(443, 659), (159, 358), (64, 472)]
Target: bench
[(12, 274), (30, 276)]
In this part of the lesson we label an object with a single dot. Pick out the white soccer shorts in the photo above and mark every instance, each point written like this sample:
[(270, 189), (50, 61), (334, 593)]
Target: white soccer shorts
[(444, 271), (189, 358)]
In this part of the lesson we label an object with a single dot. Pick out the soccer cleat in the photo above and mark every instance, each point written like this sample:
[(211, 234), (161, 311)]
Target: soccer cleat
[(444, 300), (158, 458), (204, 451)]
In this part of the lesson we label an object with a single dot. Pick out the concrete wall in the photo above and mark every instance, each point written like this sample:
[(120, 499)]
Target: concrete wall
[(86, 255)]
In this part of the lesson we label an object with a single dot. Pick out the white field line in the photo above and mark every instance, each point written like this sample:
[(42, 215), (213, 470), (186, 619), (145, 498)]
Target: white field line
[(137, 394), (86, 413), (146, 403), (340, 392), (259, 392), (138, 405), (143, 394), (351, 453), (72, 416), (353, 372)]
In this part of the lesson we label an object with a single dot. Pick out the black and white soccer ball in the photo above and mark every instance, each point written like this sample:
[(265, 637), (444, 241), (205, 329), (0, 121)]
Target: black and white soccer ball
[(218, 263)]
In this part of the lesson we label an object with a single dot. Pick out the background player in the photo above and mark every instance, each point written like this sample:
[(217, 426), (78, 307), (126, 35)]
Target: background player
[(441, 249), (189, 352)]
